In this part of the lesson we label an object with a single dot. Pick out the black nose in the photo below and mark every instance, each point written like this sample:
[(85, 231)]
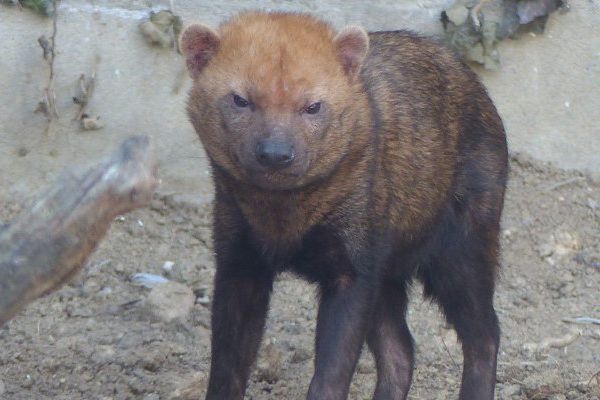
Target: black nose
[(274, 153)]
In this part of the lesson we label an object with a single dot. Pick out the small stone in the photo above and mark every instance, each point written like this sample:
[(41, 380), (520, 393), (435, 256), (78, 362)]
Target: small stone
[(365, 367), (546, 249), (90, 123), (301, 354), (519, 282), (508, 391), (76, 310), (530, 298), (190, 387), (27, 382), (202, 296), (567, 276), (105, 291), (450, 338), (582, 387), (152, 396), (203, 300), (458, 14), (533, 388), (270, 364), (573, 395), (170, 301), (565, 243), (148, 280), (2, 388), (294, 328), (104, 354), (153, 356), (558, 396), (558, 244)]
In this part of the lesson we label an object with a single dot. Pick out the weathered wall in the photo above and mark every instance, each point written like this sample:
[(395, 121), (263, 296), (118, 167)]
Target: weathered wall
[(548, 90)]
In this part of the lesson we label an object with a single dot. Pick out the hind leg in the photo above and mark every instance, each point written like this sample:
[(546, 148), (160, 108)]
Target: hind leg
[(474, 319), (461, 279), (391, 343)]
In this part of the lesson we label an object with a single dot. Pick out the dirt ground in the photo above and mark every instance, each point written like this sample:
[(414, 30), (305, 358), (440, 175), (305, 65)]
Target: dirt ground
[(99, 339)]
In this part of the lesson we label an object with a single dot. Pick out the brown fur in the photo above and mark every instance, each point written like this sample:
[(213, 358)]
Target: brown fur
[(406, 139)]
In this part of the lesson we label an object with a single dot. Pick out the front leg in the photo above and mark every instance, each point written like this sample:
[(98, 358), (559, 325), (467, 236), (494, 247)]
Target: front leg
[(345, 305), (238, 319), (242, 291)]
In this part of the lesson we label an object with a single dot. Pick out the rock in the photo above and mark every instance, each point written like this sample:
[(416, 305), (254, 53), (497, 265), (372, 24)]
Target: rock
[(170, 301), (450, 339), (565, 243), (545, 249), (27, 382), (103, 354), (558, 244), (573, 395), (294, 328), (77, 310), (153, 356), (534, 389), (202, 296), (558, 396), (105, 292), (148, 280), (301, 354), (508, 391), (365, 366), (567, 276), (458, 14), (190, 387), (270, 364), (168, 266)]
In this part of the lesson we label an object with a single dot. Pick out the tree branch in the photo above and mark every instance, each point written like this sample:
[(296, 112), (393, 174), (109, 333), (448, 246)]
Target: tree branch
[(44, 247)]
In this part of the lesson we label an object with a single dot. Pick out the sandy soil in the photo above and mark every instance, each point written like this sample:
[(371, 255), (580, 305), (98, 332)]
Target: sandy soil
[(98, 339)]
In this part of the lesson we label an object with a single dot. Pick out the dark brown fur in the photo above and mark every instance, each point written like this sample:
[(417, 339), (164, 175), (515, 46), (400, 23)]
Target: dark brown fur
[(401, 174)]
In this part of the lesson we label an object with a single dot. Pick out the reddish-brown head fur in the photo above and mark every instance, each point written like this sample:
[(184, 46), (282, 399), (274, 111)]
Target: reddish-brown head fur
[(281, 65)]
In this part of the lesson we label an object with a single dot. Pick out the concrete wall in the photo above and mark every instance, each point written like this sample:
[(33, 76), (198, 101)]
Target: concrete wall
[(548, 90)]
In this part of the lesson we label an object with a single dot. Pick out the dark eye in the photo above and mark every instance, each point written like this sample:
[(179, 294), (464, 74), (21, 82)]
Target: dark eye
[(313, 108), (240, 101)]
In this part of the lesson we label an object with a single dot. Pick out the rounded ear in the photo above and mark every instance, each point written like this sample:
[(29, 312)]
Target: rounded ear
[(352, 45), (198, 43)]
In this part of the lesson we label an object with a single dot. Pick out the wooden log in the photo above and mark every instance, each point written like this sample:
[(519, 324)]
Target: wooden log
[(46, 245)]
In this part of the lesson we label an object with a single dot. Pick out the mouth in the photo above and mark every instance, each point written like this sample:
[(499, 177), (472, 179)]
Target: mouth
[(266, 178), (274, 180)]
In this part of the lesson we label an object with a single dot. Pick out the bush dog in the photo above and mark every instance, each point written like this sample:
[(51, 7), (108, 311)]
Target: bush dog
[(358, 161)]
